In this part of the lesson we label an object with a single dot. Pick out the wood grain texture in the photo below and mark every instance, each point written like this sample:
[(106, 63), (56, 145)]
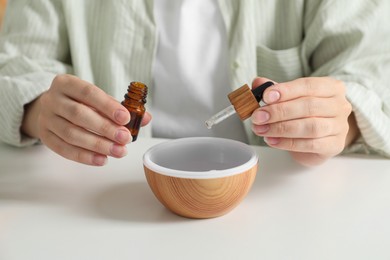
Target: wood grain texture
[(201, 198), (243, 101)]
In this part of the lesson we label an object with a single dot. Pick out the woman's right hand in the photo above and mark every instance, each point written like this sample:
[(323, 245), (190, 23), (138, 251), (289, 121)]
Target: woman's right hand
[(79, 121)]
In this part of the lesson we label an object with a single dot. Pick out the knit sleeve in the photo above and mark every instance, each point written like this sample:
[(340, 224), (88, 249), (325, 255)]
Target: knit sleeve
[(33, 49), (350, 42)]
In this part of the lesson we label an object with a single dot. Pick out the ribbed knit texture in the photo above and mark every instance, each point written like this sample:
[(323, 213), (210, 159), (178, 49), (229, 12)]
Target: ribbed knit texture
[(110, 43)]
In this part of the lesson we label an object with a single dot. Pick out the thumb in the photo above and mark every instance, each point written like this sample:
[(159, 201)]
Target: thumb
[(259, 81), (146, 119)]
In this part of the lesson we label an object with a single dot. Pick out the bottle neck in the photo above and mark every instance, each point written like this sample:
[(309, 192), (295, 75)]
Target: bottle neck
[(137, 92)]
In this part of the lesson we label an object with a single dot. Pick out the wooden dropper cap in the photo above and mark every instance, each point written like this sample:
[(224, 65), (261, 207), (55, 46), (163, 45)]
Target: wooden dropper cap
[(245, 100)]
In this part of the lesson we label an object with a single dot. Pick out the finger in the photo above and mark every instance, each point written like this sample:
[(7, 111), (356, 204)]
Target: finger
[(146, 119), (85, 139), (93, 96), (258, 81), (302, 128), (310, 159), (325, 145), (85, 117), (295, 109), (303, 87), (71, 152)]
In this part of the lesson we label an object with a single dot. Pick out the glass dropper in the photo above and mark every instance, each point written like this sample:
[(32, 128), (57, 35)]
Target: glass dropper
[(220, 116)]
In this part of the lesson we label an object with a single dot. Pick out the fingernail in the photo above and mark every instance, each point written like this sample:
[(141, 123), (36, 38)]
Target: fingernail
[(99, 160), (271, 140), (273, 96), (259, 117), (121, 116), (123, 136), (261, 129), (118, 150)]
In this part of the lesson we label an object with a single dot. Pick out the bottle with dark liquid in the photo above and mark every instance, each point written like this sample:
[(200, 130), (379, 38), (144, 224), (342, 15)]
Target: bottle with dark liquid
[(134, 102)]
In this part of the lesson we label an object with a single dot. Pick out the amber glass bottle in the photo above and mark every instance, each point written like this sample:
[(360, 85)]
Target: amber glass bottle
[(135, 100)]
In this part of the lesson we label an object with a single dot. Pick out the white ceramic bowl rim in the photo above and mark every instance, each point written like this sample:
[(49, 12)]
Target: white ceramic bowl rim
[(229, 157)]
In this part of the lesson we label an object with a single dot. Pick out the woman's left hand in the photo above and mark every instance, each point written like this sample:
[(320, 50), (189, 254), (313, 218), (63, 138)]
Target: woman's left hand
[(309, 117)]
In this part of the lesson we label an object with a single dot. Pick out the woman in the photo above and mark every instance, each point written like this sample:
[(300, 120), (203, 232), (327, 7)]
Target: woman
[(62, 61)]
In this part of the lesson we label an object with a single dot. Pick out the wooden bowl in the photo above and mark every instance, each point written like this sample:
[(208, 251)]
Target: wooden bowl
[(200, 177)]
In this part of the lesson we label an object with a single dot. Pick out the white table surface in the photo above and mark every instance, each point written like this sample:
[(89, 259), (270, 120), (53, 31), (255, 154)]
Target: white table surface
[(52, 208)]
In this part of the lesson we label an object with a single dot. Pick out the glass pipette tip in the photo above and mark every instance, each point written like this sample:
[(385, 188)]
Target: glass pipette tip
[(220, 116)]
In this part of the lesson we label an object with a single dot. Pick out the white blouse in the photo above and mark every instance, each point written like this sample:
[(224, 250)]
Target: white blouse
[(191, 78)]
